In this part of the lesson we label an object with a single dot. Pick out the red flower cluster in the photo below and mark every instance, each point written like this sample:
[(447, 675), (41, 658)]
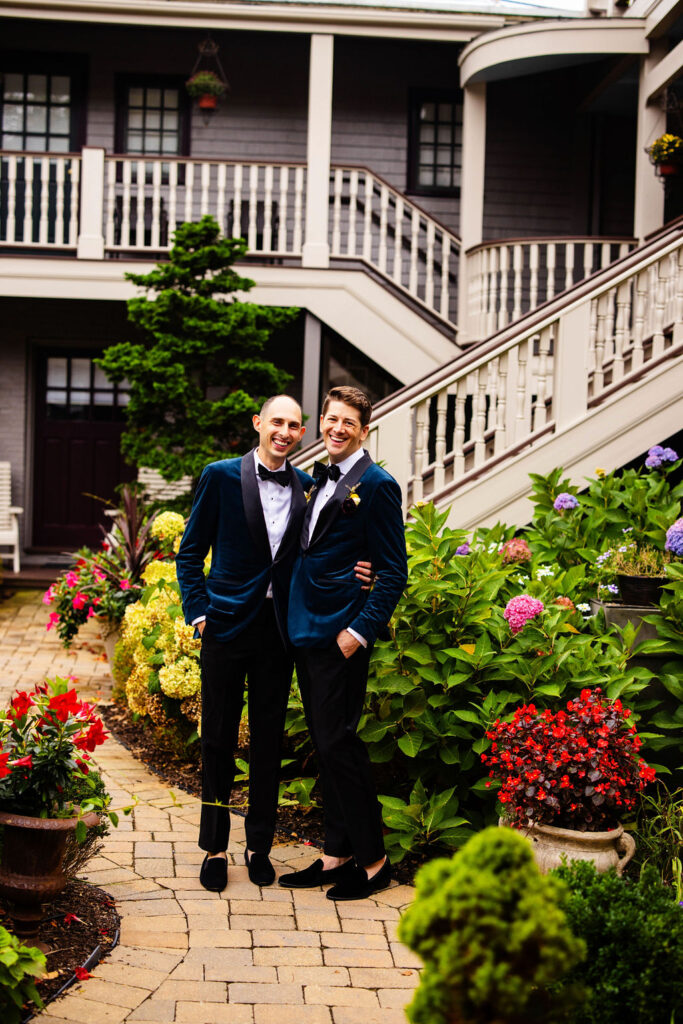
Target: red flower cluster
[(577, 769)]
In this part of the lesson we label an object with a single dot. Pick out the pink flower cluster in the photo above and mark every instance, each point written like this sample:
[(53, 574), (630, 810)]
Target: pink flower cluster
[(519, 610), (515, 550)]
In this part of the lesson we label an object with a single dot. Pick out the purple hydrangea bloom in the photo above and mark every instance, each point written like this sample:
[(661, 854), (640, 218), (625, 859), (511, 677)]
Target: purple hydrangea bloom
[(464, 549), (565, 500), (657, 456), (674, 538)]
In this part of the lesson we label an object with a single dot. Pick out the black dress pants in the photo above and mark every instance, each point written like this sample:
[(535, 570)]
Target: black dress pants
[(258, 655), (333, 693)]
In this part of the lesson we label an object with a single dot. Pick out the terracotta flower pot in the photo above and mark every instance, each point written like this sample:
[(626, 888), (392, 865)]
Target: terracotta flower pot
[(208, 101), (612, 849), (641, 590), (31, 865), (668, 170)]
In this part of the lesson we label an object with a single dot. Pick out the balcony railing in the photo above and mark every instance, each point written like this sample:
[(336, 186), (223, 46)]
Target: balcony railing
[(101, 206), (508, 278), (39, 200)]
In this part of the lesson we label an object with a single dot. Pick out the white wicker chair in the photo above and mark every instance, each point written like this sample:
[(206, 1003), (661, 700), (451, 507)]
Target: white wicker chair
[(9, 524)]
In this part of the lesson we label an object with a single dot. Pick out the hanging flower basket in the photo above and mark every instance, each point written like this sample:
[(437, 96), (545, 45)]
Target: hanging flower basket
[(205, 86), (666, 153), (207, 101)]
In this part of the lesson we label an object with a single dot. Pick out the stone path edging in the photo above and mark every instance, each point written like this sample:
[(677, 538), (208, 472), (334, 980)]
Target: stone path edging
[(246, 956)]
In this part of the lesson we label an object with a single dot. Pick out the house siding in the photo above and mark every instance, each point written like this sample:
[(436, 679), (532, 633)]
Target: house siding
[(13, 402)]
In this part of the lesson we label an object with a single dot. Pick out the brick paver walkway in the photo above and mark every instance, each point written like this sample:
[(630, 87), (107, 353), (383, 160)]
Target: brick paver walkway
[(246, 956)]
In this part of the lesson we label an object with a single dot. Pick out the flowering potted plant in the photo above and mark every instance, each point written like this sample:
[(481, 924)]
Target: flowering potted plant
[(47, 791), (205, 86), (666, 153), (567, 777)]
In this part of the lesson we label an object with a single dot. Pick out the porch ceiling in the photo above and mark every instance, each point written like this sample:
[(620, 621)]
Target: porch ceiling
[(530, 48)]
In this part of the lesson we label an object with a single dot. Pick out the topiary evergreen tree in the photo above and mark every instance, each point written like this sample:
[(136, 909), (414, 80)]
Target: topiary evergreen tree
[(492, 935), (197, 375)]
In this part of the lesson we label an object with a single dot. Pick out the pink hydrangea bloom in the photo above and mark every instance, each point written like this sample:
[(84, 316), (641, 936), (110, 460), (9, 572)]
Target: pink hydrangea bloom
[(515, 550), (520, 609)]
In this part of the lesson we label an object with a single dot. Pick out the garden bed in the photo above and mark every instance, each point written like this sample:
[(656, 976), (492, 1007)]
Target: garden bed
[(80, 927)]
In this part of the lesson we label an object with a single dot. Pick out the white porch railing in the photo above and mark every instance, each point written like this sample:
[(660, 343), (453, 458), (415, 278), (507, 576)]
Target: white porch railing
[(146, 199), (39, 200), (373, 222), (536, 378), (509, 278)]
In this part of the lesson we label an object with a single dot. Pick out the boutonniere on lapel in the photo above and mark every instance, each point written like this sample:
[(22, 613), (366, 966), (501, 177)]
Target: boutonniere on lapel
[(351, 501)]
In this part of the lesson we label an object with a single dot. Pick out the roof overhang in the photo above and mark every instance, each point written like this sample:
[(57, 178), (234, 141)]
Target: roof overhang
[(408, 22), (541, 46)]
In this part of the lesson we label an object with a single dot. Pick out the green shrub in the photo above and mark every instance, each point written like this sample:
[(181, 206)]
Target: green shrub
[(19, 965), (633, 933), (492, 935)]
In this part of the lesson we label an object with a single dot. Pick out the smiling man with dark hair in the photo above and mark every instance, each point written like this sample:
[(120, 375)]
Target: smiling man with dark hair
[(354, 513)]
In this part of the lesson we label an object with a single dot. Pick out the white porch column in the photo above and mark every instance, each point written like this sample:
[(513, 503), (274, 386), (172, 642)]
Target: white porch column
[(471, 193), (649, 193), (90, 237), (310, 388), (316, 250)]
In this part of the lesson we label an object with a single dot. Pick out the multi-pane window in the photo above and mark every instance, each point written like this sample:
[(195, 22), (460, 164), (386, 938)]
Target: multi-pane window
[(36, 112), (79, 390), (435, 143), (153, 119)]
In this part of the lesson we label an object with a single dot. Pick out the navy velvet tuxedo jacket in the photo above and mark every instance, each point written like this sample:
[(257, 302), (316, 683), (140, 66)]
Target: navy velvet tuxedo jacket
[(325, 596), (227, 516)]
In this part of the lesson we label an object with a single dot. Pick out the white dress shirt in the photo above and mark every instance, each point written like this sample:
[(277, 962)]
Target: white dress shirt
[(276, 502), (323, 496)]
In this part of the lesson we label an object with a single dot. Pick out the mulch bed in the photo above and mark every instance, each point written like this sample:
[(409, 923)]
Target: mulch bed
[(294, 823), (80, 927)]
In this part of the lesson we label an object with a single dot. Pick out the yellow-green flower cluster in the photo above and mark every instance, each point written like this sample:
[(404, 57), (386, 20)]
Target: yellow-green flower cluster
[(159, 570), (180, 679), (168, 526), (174, 653)]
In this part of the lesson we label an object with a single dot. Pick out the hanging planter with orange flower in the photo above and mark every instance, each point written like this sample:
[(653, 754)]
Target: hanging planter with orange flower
[(206, 87)]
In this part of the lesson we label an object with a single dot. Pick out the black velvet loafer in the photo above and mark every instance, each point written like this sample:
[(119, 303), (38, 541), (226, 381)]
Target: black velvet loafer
[(315, 875), (261, 871), (214, 873), (358, 886)]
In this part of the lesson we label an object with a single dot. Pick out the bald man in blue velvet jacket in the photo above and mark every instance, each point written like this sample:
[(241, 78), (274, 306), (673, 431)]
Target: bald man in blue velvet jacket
[(248, 512), (355, 512)]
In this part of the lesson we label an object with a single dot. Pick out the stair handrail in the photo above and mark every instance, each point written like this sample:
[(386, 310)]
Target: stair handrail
[(666, 240)]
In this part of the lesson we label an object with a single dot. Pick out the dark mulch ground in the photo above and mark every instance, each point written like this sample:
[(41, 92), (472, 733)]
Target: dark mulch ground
[(72, 942), (302, 825)]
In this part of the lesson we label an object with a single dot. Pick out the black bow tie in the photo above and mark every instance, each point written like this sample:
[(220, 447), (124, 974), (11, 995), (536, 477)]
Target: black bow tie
[(322, 473), (280, 476)]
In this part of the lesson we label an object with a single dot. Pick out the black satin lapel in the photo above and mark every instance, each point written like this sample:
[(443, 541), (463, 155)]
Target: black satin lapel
[(296, 515), (253, 509), (331, 510)]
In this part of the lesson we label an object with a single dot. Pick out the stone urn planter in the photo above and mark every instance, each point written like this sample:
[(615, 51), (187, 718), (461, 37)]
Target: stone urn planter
[(111, 634), (612, 849), (31, 864)]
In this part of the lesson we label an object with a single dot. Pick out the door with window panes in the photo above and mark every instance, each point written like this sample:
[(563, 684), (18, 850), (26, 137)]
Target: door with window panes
[(79, 420)]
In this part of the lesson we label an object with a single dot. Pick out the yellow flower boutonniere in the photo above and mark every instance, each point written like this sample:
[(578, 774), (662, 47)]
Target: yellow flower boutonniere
[(351, 501)]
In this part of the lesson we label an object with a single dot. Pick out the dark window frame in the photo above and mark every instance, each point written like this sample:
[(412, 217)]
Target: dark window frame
[(73, 65), (125, 82), (416, 97)]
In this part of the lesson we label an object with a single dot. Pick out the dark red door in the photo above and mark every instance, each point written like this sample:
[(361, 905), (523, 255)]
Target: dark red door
[(79, 419)]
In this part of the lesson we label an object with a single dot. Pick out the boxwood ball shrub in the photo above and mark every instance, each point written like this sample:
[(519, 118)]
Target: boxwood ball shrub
[(493, 937), (633, 932)]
